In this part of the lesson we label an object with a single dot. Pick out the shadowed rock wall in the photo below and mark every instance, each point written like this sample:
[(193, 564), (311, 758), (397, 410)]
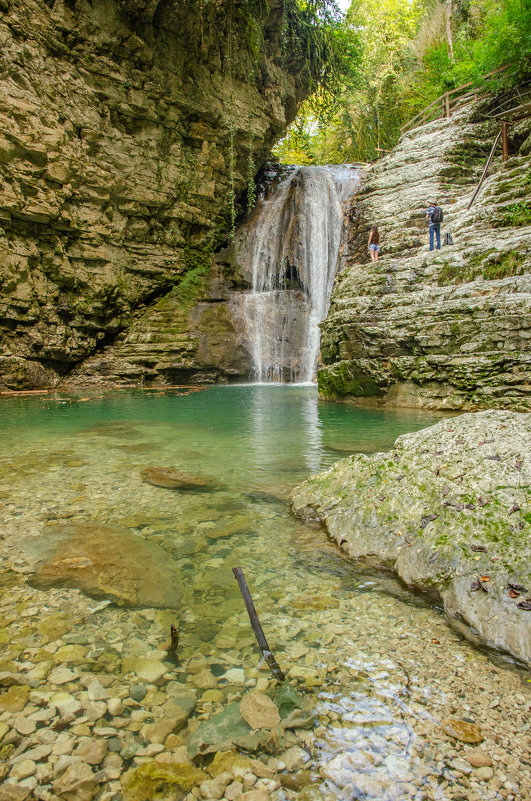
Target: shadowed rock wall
[(116, 160)]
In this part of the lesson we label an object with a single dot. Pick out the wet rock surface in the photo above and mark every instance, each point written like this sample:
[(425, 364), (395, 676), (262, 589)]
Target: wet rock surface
[(106, 562), (446, 329), (169, 478), (448, 510)]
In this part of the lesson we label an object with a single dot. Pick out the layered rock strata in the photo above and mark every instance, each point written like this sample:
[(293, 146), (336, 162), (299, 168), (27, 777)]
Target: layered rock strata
[(448, 329), (448, 510), (129, 129)]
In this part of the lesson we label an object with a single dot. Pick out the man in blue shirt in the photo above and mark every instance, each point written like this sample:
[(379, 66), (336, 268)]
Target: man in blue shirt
[(435, 215)]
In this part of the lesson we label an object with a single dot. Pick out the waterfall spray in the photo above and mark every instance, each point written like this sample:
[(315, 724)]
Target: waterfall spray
[(291, 255)]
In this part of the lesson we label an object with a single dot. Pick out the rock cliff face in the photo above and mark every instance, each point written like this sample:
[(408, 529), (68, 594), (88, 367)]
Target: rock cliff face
[(448, 329), (129, 127)]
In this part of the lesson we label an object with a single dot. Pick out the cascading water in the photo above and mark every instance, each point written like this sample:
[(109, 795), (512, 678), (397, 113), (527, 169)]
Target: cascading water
[(289, 254)]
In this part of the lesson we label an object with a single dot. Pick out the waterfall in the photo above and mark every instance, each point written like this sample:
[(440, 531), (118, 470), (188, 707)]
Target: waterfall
[(289, 254)]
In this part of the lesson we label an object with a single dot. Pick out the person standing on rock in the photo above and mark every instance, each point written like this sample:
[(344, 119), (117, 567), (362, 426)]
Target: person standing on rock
[(374, 243), (435, 215)]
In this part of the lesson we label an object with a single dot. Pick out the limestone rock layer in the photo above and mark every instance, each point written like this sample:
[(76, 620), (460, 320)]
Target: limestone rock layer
[(128, 131), (447, 509), (448, 329)]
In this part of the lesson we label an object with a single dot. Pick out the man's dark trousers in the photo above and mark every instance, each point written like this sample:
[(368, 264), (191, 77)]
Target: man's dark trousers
[(435, 228)]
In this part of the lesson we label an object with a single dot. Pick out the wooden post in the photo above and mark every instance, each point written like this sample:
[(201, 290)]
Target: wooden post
[(447, 103), (505, 147)]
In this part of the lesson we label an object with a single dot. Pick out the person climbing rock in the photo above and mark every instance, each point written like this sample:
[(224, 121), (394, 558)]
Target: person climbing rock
[(374, 243), (435, 215)]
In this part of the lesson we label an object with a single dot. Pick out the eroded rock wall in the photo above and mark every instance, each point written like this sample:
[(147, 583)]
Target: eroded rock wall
[(128, 129), (449, 329)]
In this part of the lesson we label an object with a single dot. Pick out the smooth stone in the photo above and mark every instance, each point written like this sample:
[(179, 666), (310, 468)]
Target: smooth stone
[(478, 758), (138, 692), (259, 711), (230, 762), (13, 792), (168, 478), (105, 562), (158, 731), (77, 781), (223, 731), (461, 766), (113, 765), (15, 698), (96, 691), (115, 706), (95, 710), (210, 696), (461, 730), (91, 751), (25, 726), (214, 788), (62, 675), (22, 769), (234, 676), (54, 626), (484, 774), (4, 728), (150, 670), (70, 653), (256, 795), (65, 703), (294, 758), (296, 781), (204, 680)]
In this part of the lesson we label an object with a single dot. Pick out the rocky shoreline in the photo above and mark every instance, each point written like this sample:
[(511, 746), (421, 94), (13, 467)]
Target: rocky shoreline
[(448, 510)]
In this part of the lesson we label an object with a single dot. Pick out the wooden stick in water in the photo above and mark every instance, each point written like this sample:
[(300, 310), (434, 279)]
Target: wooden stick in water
[(257, 628)]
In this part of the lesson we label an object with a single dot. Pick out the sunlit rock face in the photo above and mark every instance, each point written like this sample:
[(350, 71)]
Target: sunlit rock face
[(447, 329), (116, 160)]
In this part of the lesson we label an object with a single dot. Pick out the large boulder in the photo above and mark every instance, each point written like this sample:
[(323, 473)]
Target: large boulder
[(448, 510)]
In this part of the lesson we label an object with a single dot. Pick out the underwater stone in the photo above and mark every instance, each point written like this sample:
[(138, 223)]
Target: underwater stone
[(463, 731), (104, 561), (171, 479), (155, 781)]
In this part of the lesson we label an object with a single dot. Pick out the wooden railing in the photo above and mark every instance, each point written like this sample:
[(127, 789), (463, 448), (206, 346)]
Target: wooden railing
[(450, 101)]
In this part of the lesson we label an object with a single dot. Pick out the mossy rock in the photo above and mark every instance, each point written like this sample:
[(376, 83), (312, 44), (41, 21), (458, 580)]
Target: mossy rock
[(156, 782), (225, 731), (54, 626), (15, 698)]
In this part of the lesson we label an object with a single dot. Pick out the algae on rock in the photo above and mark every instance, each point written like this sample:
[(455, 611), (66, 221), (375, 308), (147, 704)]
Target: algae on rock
[(448, 510)]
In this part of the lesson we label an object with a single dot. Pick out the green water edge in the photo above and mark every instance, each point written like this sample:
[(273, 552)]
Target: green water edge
[(377, 669)]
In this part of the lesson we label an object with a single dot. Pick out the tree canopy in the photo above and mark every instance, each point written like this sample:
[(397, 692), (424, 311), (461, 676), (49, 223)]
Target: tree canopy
[(398, 56)]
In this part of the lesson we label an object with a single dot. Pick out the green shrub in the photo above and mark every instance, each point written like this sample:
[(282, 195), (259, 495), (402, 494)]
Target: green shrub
[(515, 215)]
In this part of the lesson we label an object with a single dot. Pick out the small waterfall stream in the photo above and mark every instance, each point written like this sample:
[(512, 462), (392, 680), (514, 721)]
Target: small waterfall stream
[(289, 254)]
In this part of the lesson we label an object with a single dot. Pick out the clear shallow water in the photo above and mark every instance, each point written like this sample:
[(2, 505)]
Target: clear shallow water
[(380, 668)]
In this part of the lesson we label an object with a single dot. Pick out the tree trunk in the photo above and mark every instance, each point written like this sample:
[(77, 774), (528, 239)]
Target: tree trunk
[(449, 38)]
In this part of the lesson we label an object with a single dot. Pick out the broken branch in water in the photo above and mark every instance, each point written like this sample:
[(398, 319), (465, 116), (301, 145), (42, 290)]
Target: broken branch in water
[(257, 628), (174, 643)]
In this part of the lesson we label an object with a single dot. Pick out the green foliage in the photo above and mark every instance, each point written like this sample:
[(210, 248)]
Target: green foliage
[(515, 215), (197, 263), (501, 265), (404, 61)]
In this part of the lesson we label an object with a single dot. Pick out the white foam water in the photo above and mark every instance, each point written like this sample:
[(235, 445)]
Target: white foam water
[(290, 253)]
